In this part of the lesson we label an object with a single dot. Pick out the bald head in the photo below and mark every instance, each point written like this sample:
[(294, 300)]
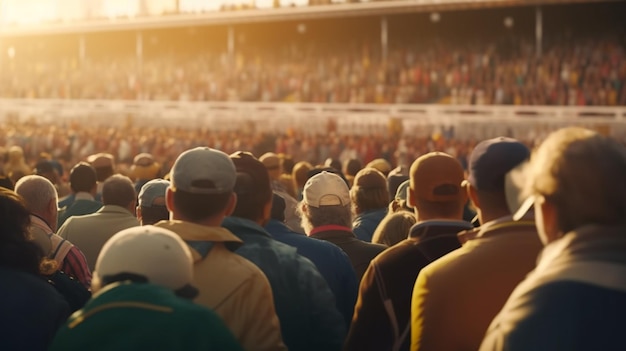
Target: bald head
[(40, 197)]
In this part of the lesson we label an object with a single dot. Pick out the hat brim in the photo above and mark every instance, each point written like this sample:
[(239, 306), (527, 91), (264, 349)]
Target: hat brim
[(524, 208)]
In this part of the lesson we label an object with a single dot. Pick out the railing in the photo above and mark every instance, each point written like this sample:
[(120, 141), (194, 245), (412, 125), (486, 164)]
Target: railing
[(312, 117)]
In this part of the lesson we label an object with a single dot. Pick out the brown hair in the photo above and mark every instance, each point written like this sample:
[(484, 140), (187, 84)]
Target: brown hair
[(394, 228)]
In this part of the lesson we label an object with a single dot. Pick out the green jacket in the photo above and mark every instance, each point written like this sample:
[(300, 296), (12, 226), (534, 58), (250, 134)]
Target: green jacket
[(137, 316)]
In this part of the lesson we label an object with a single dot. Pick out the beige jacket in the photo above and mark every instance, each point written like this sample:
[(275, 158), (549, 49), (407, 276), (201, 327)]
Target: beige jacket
[(456, 297), (231, 285)]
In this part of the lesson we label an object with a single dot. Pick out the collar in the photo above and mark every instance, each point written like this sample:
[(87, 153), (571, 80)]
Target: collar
[(496, 226), (37, 221), (330, 228), (114, 209), (238, 226), (81, 195), (431, 228), (197, 232)]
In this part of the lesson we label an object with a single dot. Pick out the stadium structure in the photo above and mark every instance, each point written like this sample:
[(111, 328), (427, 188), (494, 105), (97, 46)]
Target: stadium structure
[(365, 32)]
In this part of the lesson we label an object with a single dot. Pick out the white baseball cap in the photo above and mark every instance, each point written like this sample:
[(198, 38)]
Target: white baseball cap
[(326, 189), (157, 254)]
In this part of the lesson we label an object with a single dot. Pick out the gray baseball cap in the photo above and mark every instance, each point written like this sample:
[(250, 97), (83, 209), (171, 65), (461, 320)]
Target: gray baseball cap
[(203, 171)]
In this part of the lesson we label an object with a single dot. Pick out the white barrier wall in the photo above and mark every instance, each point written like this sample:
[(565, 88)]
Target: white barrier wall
[(314, 118)]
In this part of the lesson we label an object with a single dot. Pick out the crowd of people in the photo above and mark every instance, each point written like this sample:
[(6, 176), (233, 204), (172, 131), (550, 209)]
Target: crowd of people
[(503, 248), (580, 72)]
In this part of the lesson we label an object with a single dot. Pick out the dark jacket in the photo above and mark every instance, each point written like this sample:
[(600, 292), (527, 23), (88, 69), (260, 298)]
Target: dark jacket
[(575, 299), (330, 260), (305, 304), (31, 311), (365, 224), (359, 252), (383, 311), (141, 316)]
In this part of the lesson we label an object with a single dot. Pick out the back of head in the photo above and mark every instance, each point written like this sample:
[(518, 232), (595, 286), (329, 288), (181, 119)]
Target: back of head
[(272, 163), (16, 251), (369, 191), (582, 174), (381, 165), (394, 228), (278, 208), (352, 167), (118, 190), (299, 173), (151, 201), (146, 254), (202, 182), (287, 162), (83, 178), (145, 167), (333, 163), (435, 187), (104, 164), (490, 162), (325, 201), (253, 187), (37, 192)]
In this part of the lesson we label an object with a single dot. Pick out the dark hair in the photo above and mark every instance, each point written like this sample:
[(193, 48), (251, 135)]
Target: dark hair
[(278, 208), (288, 164), (353, 166), (118, 190), (197, 207), (16, 251), (253, 187), (153, 214), (103, 173), (82, 177)]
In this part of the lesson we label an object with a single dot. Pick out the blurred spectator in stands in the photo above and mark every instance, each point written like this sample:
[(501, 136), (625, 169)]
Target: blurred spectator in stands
[(285, 177), (382, 313), (199, 197), (579, 194), (151, 207), (104, 164), (394, 228), (305, 305), (381, 165), (273, 164), (40, 199), (370, 197), (16, 166), (148, 306), (299, 176), (32, 310), (327, 215), (144, 169), (90, 232), (399, 202), (351, 168), (82, 200)]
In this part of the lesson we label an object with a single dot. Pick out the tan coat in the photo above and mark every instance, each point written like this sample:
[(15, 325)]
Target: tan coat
[(456, 297), (232, 286)]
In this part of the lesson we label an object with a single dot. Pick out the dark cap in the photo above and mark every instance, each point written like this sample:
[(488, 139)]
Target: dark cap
[(252, 176), (492, 159)]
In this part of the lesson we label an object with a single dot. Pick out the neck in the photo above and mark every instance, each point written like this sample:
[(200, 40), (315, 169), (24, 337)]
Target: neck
[(488, 216), (215, 221), (429, 217)]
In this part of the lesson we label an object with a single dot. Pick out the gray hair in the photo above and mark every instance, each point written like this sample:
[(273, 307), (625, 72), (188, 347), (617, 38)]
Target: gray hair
[(324, 215), (37, 192)]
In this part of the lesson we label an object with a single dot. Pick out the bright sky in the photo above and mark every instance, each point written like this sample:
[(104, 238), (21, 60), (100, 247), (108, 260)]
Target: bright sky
[(36, 11)]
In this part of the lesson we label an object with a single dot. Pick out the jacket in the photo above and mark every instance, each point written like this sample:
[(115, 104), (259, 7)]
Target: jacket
[(90, 232), (332, 263), (233, 287), (359, 252), (31, 311), (82, 204), (68, 257), (142, 316), (382, 316), (365, 224), (484, 271), (305, 305), (575, 299)]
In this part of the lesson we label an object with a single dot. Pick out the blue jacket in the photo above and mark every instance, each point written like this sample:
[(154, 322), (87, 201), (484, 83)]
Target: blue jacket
[(305, 305), (330, 260), (31, 311), (575, 299), (365, 224)]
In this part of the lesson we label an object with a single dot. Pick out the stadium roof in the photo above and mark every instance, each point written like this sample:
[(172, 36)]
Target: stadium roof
[(270, 15)]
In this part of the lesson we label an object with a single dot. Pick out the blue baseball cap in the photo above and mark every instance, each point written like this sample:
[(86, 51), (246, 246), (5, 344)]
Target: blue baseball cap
[(492, 159)]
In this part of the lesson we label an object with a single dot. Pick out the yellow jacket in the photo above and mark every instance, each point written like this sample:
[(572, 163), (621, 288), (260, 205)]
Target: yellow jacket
[(230, 285)]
